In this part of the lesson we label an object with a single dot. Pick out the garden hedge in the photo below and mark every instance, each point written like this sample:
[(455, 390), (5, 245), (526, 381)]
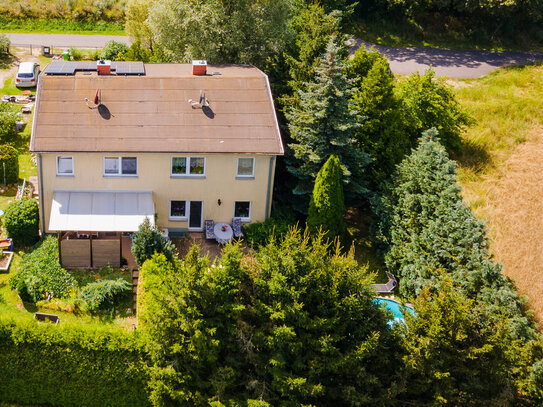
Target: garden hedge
[(67, 365)]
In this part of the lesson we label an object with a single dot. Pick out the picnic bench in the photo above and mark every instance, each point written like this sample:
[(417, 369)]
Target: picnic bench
[(40, 316)]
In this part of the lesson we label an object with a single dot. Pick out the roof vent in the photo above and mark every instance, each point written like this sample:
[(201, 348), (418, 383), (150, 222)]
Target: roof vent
[(103, 67), (199, 67)]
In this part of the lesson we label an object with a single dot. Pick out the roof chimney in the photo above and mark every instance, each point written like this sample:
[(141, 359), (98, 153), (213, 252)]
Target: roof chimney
[(103, 67), (199, 67)]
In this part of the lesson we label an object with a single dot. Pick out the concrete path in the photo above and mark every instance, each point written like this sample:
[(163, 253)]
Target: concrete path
[(64, 40), (446, 62)]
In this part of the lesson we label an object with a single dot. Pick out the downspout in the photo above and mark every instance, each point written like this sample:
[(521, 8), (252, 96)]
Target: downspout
[(40, 188), (268, 195)]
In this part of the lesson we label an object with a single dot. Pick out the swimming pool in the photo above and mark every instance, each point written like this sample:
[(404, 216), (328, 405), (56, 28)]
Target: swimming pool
[(395, 307)]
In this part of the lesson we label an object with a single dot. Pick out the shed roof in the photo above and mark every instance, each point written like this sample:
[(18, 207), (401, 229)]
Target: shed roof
[(152, 113)]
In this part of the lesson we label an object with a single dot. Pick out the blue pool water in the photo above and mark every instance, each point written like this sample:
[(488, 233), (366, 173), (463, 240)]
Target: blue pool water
[(395, 307)]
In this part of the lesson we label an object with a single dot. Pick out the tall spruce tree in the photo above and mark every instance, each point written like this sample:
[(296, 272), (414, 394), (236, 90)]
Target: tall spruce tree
[(327, 206), (323, 125)]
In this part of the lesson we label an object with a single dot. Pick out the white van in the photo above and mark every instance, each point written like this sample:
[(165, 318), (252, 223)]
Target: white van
[(27, 75)]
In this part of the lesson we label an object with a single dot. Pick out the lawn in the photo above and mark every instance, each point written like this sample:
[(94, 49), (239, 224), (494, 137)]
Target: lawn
[(501, 170)]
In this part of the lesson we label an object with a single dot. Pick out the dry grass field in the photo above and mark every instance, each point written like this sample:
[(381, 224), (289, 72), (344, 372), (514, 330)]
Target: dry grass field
[(501, 170)]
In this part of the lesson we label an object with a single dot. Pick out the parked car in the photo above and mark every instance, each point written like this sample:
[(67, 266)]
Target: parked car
[(27, 75)]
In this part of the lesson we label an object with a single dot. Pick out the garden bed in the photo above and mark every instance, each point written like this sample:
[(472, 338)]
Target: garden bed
[(5, 261)]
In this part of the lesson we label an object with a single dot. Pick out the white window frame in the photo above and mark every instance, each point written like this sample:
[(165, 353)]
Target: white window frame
[(250, 210), (179, 218), (187, 173), (120, 163), (244, 176), (59, 174)]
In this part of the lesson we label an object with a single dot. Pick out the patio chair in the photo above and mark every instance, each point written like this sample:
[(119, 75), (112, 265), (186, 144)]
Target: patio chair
[(209, 224), (387, 288), (236, 227)]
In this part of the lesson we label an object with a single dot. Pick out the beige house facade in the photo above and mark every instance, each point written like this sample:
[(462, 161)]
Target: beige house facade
[(222, 191), (175, 143)]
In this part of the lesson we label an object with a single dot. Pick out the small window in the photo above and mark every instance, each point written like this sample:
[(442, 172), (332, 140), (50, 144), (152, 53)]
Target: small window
[(246, 167), (197, 165), (188, 167), (242, 209), (129, 166), (179, 165), (178, 209), (65, 166), (121, 166)]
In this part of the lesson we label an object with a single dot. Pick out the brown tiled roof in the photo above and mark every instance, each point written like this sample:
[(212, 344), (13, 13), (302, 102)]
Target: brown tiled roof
[(151, 113)]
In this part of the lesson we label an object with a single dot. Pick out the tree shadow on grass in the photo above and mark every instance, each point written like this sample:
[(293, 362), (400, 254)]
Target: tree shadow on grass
[(473, 157), (6, 61)]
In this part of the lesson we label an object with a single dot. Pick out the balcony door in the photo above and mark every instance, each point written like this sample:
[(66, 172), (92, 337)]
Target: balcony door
[(196, 214)]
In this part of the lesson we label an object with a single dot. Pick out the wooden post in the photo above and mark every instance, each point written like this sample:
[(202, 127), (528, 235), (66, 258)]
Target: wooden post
[(59, 248), (120, 249), (90, 238)]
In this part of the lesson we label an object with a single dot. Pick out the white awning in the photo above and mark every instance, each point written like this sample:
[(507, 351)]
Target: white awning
[(116, 211)]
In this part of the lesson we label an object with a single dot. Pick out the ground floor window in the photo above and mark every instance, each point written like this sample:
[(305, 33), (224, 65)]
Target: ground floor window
[(242, 209), (178, 209)]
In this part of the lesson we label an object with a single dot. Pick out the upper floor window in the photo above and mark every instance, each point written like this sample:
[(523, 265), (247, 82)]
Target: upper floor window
[(65, 165), (246, 168), (188, 166), (120, 166)]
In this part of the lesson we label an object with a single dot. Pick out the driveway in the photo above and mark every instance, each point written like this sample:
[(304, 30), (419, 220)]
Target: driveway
[(64, 40), (447, 62)]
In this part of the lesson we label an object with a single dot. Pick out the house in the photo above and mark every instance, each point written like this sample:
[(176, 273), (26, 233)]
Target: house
[(118, 142)]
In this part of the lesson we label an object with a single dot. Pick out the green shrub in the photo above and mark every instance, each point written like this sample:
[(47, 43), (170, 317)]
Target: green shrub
[(113, 49), (104, 293), (69, 366), (10, 157), (147, 241), (259, 233), (76, 54), (9, 115), (21, 221), (4, 45), (40, 275)]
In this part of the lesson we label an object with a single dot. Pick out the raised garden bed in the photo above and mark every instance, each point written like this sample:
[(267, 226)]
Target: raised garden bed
[(5, 261)]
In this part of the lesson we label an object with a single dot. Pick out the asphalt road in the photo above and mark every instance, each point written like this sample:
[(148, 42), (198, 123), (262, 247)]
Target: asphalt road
[(403, 61), (64, 40), (450, 63)]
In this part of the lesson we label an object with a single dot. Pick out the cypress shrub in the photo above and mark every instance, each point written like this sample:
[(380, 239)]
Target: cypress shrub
[(67, 365), (326, 208)]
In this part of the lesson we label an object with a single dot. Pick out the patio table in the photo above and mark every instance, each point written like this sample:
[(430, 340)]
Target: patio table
[(223, 236)]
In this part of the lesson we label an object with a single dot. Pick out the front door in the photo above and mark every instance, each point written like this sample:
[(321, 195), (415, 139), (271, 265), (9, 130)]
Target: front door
[(195, 215)]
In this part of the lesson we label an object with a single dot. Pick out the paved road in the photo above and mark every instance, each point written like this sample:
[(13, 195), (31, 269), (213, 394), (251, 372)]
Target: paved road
[(403, 61), (64, 40), (451, 63)]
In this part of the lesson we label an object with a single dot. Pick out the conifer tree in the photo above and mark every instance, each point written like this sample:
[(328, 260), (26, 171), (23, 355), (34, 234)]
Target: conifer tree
[(432, 233), (323, 125), (327, 207), (380, 134)]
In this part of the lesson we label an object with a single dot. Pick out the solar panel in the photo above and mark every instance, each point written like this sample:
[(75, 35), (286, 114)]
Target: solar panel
[(128, 68), (70, 67)]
